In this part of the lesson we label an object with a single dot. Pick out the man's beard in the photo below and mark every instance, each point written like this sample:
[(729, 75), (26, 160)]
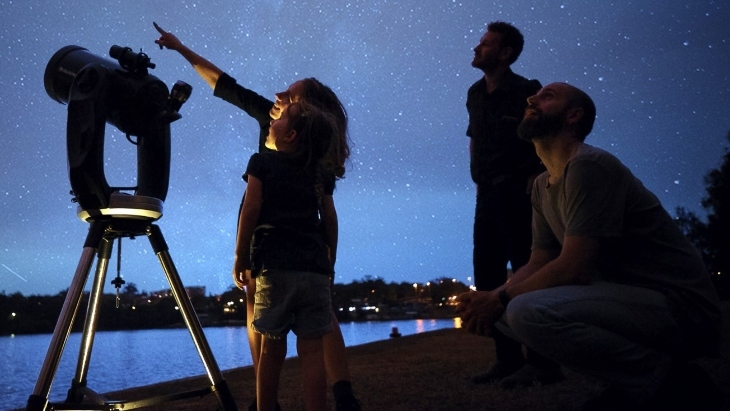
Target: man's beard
[(485, 62), (540, 128)]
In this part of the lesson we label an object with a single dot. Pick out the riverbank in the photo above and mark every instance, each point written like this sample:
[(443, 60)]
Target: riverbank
[(428, 371)]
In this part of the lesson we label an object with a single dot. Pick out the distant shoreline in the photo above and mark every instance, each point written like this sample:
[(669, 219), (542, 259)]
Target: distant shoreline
[(238, 323)]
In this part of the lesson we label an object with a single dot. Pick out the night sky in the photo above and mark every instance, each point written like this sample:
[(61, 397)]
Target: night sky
[(657, 70)]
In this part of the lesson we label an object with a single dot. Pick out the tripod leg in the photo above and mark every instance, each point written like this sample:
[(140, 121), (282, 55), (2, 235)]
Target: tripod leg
[(92, 317), (221, 391), (39, 399)]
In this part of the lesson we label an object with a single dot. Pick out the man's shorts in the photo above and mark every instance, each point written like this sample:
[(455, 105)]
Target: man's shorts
[(292, 300)]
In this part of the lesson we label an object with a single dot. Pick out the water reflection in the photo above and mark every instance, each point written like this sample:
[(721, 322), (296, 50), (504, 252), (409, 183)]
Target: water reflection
[(433, 324), (124, 359)]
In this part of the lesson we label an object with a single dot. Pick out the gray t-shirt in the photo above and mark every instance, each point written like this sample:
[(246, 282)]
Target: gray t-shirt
[(640, 244)]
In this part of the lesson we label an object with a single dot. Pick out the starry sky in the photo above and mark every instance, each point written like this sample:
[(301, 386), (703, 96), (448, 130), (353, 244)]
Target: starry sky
[(657, 70)]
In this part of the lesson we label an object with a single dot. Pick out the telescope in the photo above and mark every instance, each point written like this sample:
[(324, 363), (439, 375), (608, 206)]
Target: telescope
[(123, 94)]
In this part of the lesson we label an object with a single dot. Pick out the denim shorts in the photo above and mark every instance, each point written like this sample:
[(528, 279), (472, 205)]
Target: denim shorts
[(292, 300)]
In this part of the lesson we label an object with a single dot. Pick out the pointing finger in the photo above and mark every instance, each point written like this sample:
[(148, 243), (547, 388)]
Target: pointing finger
[(159, 29)]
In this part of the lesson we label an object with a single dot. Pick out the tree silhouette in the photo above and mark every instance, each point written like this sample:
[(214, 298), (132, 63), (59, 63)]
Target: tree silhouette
[(718, 218), (712, 238), (130, 289)]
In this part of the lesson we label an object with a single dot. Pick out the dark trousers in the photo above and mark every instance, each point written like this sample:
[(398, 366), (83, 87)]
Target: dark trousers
[(502, 232)]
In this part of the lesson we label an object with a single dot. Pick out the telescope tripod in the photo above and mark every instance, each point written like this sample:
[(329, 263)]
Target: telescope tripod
[(103, 231)]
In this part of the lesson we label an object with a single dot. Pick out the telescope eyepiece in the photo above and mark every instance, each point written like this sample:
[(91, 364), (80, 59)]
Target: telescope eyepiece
[(136, 63)]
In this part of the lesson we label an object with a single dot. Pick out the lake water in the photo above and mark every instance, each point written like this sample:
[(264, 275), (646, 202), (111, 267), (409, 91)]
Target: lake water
[(124, 359)]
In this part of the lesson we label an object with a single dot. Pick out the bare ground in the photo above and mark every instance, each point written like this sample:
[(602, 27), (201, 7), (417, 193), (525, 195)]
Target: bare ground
[(428, 371)]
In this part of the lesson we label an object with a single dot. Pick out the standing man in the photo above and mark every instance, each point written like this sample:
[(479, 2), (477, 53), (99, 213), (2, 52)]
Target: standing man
[(612, 289), (503, 168)]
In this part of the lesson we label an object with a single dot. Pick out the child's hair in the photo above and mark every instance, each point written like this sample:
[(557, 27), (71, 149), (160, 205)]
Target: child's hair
[(324, 98), (315, 130)]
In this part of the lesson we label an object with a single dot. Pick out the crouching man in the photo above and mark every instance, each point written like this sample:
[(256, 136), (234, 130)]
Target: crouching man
[(612, 289)]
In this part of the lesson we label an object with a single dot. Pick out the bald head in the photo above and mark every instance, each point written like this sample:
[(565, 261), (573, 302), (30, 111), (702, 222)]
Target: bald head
[(578, 99), (558, 109)]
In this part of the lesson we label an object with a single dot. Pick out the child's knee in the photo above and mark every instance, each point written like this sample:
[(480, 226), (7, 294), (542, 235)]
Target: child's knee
[(309, 346)]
